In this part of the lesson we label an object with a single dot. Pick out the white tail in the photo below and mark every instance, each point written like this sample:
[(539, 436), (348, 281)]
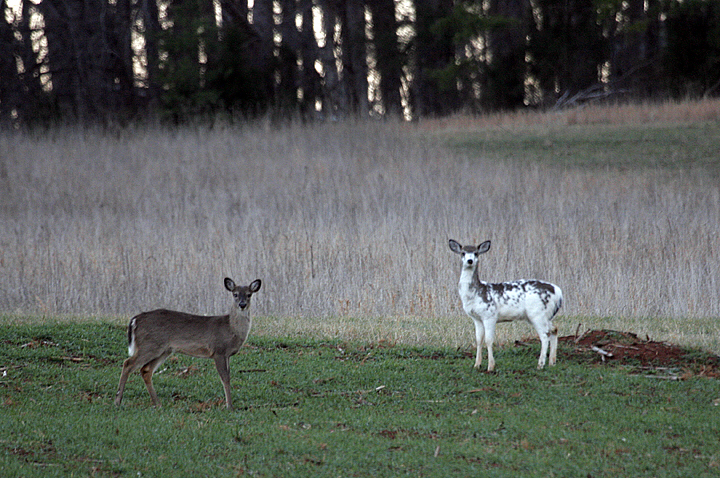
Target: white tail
[(487, 304), (153, 336)]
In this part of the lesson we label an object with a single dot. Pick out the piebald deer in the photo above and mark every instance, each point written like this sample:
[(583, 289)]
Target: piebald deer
[(487, 304), (153, 336)]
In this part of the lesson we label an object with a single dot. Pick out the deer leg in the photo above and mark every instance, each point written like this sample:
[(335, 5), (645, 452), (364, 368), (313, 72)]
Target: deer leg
[(223, 367), (553, 345), (129, 366), (479, 340), (544, 342), (489, 339), (147, 372)]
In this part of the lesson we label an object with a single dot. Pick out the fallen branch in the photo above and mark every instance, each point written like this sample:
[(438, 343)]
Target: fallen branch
[(626, 347), (578, 338), (603, 353), (663, 377), (592, 93)]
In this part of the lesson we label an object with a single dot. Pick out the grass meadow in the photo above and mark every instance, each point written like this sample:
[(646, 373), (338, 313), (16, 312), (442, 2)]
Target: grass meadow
[(329, 408), (360, 358), (347, 223)]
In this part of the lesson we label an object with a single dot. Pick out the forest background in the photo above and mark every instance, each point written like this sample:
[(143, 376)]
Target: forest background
[(117, 61)]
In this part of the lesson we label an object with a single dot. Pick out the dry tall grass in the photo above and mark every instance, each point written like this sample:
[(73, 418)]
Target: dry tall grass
[(347, 224)]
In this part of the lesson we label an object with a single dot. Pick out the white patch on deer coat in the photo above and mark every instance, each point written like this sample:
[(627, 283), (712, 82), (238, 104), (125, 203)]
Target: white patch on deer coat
[(132, 347)]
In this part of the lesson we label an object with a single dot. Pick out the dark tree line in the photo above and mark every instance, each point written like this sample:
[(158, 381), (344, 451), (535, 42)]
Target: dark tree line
[(117, 61)]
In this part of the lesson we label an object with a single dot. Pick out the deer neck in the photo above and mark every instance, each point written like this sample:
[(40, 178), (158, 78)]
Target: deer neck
[(240, 322), (469, 280), (469, 277)]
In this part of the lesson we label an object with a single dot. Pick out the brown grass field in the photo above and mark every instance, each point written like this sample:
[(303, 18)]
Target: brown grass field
[(347, 223)]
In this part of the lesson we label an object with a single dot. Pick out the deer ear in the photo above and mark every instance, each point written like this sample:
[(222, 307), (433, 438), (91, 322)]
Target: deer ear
[(455, 246), (229, 284), (484, 247), (255, 285)]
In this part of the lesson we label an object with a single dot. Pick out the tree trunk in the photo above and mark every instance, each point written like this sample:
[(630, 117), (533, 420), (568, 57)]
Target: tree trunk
[(149, 16), (288, 58), (264, 24), (310, 81), (119, 77), (355, 69), (65, 64), (432, 52), (387, 54), (333, 97), (505, 75), (10, 85), (585, 52), (567, 47)]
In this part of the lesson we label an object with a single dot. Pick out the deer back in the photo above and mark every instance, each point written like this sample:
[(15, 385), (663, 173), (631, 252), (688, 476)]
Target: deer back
[(195, 335)]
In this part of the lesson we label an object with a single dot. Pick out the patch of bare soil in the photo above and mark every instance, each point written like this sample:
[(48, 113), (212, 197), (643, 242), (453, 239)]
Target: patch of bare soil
[(626, 348)]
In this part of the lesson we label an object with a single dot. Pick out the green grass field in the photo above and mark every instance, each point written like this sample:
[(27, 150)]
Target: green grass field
[(333, 408), (360, 358), (672, 146)]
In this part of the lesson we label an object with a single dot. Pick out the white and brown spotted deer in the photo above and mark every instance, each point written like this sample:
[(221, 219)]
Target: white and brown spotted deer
[(153, 336), (487, 304)]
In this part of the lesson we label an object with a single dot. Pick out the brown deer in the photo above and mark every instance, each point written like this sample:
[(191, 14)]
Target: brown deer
[(153, 336)]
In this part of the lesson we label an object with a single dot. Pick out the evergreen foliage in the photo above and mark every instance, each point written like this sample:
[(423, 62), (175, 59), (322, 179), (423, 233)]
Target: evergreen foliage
[(109, 62)]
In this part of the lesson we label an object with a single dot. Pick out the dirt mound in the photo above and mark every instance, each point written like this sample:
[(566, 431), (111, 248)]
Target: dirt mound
[(626, 348)]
